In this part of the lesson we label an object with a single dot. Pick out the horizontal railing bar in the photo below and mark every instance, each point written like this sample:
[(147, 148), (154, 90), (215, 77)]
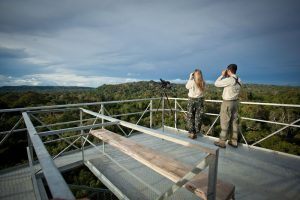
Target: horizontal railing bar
[(69, 122), (73, 105), (270, 122), (210, 114), (244, 118), (52, 110), (271, 104), (49, 125), (57, 185), (127, 114), (64, 123), (206, 100), (79, 128), (59, 139), (169, 137), (136, 100), (183, 111), (246, 102), (14, 131)]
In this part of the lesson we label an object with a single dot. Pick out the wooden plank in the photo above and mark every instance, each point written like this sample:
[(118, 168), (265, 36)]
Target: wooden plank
[(164, 164), (199, 185)]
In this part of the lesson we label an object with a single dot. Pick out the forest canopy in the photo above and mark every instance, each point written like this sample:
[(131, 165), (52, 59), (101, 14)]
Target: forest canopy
[(287, 140)]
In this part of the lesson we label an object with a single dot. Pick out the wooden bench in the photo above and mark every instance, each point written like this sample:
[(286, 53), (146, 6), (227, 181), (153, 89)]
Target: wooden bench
[(165, 165)]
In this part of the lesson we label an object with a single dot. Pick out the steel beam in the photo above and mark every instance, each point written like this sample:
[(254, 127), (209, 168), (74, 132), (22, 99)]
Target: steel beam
[(57, 185)]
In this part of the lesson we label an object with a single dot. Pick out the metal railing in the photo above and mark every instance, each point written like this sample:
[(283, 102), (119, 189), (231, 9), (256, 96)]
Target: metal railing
[(210, 160), (177, 108), (217, 115), (72, 141), (149, 109), (56, 183), (58, 187)]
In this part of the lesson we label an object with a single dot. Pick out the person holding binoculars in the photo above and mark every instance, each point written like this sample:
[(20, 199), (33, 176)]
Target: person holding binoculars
[(195, 106), (229, 108)]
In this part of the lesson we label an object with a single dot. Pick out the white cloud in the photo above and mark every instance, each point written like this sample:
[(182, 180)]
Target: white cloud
[(58, 79), (62, 80)]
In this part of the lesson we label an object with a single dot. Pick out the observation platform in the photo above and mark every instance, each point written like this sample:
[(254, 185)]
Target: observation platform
[(256, 173)]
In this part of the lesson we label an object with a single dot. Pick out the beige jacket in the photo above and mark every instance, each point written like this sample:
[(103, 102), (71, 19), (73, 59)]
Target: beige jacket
[(231, 89), (194, 91)]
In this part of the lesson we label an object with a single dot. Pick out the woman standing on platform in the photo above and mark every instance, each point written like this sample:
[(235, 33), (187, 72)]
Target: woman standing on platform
[(195, 107)]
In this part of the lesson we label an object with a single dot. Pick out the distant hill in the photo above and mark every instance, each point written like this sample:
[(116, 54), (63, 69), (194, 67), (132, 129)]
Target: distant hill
[(250, 92), (146, 89), (43, 89)]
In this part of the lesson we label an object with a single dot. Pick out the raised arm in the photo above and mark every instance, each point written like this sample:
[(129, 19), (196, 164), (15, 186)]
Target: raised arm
[(223, 82), (189, 84)]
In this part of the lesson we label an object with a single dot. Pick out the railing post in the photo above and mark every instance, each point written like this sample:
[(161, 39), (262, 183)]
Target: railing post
[(151, 106), (212, 176), (163, 114), (32, 173), (175, 114), (82, 139), (102, 121), (102, 113)]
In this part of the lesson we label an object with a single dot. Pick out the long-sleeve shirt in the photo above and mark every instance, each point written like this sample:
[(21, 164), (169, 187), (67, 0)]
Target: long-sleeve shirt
[(194, 91), (231, 89)]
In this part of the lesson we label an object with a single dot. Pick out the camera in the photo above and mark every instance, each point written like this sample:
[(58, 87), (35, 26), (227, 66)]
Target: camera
[(165, 84)]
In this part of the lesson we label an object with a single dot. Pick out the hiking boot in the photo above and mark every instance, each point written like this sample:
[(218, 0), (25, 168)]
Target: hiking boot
[(220, 143), (192, 135), (233, 143)]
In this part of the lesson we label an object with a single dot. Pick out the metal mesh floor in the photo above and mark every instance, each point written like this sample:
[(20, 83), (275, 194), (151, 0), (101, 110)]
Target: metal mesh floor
[(257, 174), (16, 185), (129, 184)]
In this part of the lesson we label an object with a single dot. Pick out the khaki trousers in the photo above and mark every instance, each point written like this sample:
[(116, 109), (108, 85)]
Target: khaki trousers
[(229, 118)]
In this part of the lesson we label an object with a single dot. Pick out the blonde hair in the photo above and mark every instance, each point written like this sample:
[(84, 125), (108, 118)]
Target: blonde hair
[(199, 79)]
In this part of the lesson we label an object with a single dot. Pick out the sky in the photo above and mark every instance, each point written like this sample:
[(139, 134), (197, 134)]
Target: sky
[(95, 42)]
